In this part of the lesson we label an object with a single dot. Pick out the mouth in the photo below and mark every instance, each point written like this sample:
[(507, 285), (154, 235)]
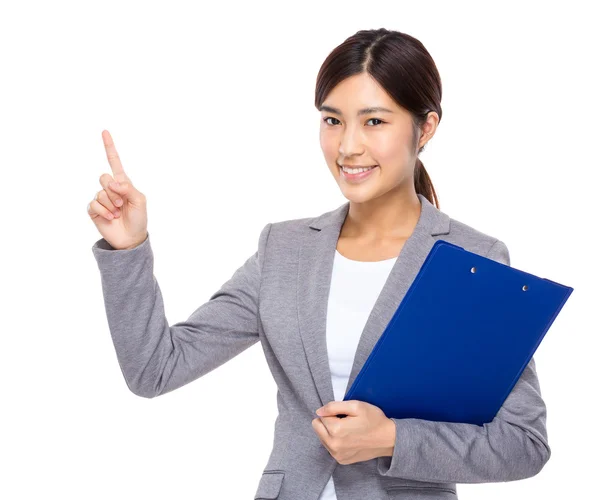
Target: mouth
[(348, 166), (358, 175)]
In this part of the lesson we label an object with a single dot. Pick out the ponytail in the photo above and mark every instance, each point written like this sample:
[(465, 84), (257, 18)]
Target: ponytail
[(423, 184)]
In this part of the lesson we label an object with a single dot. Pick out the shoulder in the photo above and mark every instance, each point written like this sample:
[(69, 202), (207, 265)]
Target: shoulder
[(477, 241), (299, 227), (285, 235), (468, 236)]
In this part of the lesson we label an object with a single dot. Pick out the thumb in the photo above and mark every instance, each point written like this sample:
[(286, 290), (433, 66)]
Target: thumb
[(336, 408), (126, 190)]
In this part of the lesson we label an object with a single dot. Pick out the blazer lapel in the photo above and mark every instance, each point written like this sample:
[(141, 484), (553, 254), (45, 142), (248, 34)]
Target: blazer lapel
[(315, 268)]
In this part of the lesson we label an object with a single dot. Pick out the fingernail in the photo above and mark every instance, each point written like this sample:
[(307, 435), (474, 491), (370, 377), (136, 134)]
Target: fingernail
[(118, 202), (117, 212), (114, 184)]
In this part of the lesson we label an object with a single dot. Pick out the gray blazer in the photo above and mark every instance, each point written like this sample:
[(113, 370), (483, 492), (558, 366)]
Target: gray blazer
[(279, 297)]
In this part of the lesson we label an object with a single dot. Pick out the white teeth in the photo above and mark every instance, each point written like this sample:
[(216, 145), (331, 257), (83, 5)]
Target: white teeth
[(356, 170)]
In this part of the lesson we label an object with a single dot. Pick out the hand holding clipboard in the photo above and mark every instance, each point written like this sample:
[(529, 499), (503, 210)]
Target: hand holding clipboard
[(459, 340)]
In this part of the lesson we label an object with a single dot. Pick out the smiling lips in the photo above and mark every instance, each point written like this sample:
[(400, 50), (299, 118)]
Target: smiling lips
[(356, 166), (358, 177)]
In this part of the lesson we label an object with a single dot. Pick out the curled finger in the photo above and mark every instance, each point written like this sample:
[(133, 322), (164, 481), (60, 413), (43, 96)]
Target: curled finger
[(115, 197), (104, 199), (95, 209)]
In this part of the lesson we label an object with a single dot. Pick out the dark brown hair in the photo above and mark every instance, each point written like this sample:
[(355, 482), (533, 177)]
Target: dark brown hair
[(404, 69)]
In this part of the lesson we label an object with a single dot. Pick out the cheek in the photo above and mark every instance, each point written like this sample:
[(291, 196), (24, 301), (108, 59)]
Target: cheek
[(389, 149), (392, 153), (329, 148)]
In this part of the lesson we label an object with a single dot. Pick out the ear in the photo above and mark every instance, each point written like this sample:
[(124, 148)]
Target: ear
[(428, 128)]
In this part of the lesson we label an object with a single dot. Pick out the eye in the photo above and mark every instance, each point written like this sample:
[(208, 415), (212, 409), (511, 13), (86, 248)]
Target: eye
[(332, 118), (329, 118)]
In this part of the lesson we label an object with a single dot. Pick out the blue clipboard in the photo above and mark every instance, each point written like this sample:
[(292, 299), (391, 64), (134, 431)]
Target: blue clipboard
[(459, 340)]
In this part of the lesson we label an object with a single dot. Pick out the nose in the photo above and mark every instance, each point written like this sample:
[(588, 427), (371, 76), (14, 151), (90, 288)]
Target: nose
[(351, 143)]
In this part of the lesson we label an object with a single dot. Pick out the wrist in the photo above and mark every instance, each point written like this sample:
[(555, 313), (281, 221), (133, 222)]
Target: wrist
[(390, 438)]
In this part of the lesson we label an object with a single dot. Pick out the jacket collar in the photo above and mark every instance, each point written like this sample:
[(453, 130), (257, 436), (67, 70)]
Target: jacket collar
[(315, 268), (430, 216)]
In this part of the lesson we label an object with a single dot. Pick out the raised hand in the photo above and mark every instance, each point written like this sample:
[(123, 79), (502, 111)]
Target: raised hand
[(118, 210)]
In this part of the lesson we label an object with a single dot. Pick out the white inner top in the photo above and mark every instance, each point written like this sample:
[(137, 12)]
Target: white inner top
[(355, 287)]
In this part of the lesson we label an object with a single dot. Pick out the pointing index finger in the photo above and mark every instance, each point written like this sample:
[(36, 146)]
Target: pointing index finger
[(113, 156)]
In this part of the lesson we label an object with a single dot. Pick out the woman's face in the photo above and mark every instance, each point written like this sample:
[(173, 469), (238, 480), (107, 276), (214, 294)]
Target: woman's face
[(377, 137)]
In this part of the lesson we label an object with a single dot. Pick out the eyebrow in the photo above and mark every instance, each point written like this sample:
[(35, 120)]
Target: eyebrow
[(365, 111)]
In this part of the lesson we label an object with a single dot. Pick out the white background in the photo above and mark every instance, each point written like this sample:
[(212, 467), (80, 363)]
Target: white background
[(212, 111)]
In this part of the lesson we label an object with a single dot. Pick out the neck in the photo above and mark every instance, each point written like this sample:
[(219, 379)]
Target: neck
[(385, 217)]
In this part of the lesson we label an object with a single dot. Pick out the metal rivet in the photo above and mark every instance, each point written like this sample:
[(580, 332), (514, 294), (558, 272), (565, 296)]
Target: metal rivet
[(473, 269), (525, 288)]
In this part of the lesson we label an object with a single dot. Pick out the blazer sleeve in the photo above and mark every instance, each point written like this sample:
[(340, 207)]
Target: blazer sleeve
[(513, 446), (156, 358)]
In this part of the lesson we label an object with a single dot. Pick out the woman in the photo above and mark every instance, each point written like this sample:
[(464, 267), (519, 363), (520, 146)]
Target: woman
[(319, 291)]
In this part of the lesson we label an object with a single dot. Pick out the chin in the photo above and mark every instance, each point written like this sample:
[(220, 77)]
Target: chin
[(358, 195)]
